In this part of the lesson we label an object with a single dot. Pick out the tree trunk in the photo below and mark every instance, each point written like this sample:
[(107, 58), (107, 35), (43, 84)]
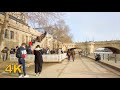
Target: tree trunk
[(4, 26)]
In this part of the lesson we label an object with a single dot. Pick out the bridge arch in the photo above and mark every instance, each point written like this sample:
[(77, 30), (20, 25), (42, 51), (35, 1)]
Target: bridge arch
[(113, 49)]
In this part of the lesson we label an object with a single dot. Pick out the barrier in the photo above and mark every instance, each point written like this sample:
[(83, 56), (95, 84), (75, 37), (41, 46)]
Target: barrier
[(107, 57), (46, 58)]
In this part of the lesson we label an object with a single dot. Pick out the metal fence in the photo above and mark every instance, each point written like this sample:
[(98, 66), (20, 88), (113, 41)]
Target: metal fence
[(46, 58), (108, 57)]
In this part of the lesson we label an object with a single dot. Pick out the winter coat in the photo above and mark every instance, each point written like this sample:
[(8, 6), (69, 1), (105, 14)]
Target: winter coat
[(38, 55), (73, 53), (22, 52)]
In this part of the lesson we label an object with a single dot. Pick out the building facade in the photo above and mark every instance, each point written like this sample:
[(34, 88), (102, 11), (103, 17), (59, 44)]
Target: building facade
[(17, 30)]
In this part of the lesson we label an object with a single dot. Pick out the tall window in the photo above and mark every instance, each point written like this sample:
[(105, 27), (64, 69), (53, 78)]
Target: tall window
[(11, 35), (26, 39), (6, 34), (22, 38)]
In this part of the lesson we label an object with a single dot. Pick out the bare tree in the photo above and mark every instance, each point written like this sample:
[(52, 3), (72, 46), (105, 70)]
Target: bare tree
[(43, 19), (60, 31)]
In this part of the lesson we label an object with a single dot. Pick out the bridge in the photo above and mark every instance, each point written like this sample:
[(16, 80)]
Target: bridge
[(90, 47)]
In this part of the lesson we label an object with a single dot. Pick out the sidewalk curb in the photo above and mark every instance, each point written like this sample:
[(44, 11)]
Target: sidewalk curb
[(111, 66)]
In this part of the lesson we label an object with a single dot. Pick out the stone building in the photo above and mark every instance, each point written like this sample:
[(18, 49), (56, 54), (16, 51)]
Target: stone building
[(17, 30)]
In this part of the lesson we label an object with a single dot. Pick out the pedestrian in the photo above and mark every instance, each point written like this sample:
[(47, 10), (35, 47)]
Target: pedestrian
[(12, 51), (97, 57), (38, 60), (68, 54), (73, 54), (21, 55), (29, 50), (5, 53), (30, 43), (16, 48)]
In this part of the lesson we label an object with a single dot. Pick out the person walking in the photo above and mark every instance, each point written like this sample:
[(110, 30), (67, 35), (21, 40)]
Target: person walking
[(5, 53), (12, 51), (30, 43), (68, 54), (29, 50), (21, 55), (38, 60), (73, 54)]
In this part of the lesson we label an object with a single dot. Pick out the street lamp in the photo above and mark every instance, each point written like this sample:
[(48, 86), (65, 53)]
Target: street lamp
[(53, 44), (86, 50)]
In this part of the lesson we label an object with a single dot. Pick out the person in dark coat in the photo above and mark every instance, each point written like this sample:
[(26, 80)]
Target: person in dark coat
[(68, 54), (12, 51), (73, 54), (38, 60), (29, 50), (97, 57)]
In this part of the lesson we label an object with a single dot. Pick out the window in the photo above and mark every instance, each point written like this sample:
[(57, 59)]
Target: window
[(26, 39), (6, 33), (11, 35), (22, 38)]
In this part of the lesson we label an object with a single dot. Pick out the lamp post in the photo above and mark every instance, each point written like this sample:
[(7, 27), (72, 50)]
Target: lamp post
[(53, 44), (86, 50)]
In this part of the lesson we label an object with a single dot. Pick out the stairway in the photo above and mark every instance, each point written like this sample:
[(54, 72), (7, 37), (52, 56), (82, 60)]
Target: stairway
[(38, 43)]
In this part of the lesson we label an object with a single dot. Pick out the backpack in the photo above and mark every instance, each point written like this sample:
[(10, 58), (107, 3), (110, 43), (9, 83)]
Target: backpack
[(3, 51), (18, 53)]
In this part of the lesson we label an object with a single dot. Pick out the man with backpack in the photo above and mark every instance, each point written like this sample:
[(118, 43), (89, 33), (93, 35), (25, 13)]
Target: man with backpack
[(21, 55)]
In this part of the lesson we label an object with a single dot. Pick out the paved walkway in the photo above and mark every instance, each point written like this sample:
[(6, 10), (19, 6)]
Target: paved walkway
[(80, 68), (111, 62)]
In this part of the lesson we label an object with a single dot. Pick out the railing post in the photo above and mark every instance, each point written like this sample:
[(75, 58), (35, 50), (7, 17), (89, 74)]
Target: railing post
[(115, 59), (108, 57), (103, 56)]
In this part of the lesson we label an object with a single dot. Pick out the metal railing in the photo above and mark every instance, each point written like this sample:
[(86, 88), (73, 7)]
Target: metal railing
[(107, 57), (46, 58)]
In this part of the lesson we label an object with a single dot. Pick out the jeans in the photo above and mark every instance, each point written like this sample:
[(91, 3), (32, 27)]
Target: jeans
[(68, 58), (21, 62), (73, 57), (4, 56)]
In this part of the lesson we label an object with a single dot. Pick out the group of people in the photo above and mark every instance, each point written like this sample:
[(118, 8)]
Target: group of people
[(48, 51), (6, 52), (37, 39), (71, 53), (40, 38), (21, 55)]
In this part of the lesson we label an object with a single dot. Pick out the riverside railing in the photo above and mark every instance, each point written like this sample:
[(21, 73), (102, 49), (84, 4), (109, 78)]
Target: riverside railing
[(46, 58), (107, 57)]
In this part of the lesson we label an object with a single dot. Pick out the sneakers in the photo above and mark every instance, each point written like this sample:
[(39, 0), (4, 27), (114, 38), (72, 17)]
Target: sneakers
[(37, 74), (26, 76), (20, 76)]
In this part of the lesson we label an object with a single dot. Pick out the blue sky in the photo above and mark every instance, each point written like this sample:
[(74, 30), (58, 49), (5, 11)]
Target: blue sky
[(93, 25)]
